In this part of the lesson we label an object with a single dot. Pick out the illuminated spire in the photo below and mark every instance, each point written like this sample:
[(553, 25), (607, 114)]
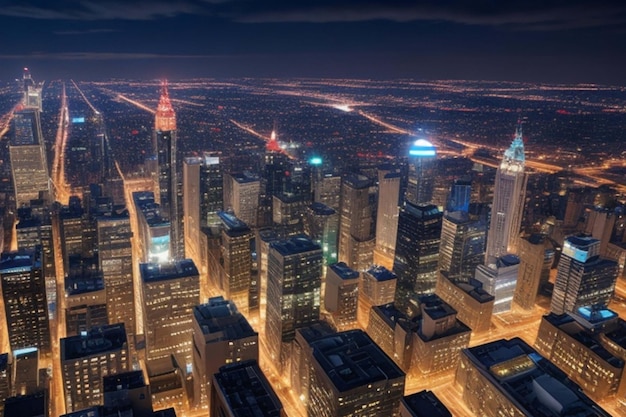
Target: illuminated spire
[(516, 150), (272, 144), (165, 119)]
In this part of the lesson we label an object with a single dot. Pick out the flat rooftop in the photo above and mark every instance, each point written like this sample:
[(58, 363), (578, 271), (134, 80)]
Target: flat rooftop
[(380, 273), (16, 262), (425, 404), (123, 381), (295, 245), (232, 223), (322, 209), (97, 340), (435, 307), (221, 320), (153, 272), (343, 271)]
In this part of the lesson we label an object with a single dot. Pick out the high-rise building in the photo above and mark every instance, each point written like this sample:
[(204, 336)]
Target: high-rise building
[(85, 300), (25, 371), (473, 304), (422, 160), (378, 286), (33, 405), (341, 295), (170, 291), (115, 262), (600, 224), (387, 216), (203, 197), (500, 279), (243, 196), (24, 295), (5, 380), (534, 269), (293, 292), (353, 376), (328, 191), (357, 222), (417, 254), (221, 335), (583, 278), (460, 195), (241, 389), (509, 197), (86, 358), (462, 246), (168, 173), (288, 214), (423, 404), (321, 224), (393, 331), (508, 377), (154, 230)]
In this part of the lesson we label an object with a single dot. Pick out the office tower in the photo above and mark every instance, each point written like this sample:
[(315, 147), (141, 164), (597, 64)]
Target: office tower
[(221, 335), (460, 195), (115, 262), (422, 160), (241, 390), (387, 216), (203, 197), (88, 357), (154, 230), (24, 295), (462, 246), (235, 261), (500, 279), (393, 331), (583, 278), (293, 292), (170, 291), (577, 199), (378, 286), (352, 376), (71, 225), (288, 214), (321, 224), (417, 253), (438, 341), (328, 191), (31, 91), (599, 225), (473, 304), (25, 371), (508, 377), (243, 198), (534, 269), (33, 405), (262, 242), (357, 222), (85, 300), (275, 180), (342, 295), (127, 391), (164, 146), (29, 167), (509, 196), (5, 380), (588, 346), (169, 384), (301, 357), (423, 404)]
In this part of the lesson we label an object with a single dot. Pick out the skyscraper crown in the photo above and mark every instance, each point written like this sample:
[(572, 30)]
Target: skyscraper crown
[(165, 119), (516, 150)]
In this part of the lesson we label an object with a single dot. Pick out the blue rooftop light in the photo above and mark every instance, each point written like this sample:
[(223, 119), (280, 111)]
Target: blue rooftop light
[(316, 160), (422, 147)]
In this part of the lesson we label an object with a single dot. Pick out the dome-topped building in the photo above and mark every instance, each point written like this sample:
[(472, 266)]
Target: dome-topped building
[(422, 156)]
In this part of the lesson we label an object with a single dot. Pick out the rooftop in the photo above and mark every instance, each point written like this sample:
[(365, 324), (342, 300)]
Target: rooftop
[(232, 223), (123, 381), (425, 404), (152, 272), (84, 281), (294, 245), (435, 307), (380, 273), (343, 271), (321, 209), (97, 340), (247, 391), (422, 148), (16, 262), (221, 320)]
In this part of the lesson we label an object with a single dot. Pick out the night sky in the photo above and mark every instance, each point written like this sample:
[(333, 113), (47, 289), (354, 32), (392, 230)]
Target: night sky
[(533, 40)]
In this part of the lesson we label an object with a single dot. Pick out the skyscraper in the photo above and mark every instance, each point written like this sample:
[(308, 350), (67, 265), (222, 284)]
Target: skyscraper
[(460, 195), (534, 269), (462, 246), (387, 216), (508, 201), (422, 166), (321, 224), (168, 171), (293, 292), (417, 254), (583, 278)]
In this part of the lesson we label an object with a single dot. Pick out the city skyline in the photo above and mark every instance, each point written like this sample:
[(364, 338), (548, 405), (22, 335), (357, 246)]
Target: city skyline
[(578, 42)]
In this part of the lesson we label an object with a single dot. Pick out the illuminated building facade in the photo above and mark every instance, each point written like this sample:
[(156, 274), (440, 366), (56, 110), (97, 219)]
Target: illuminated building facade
[(88, 357), (357, 225), (422, 172), (473, 304), (170, 291), (85, 301), (353, 376), (534, 269), (154, 230), (115, 261), (583, 278), (287, 214), (393, 331), (416, 254), (24, 296), (378, 286), (582, 345), (508, 201), (460, 196), (241, 390), (221, 336), (328, 191), (387, 216), (462, 246), (321, 224), (168, 171), (243, 198), (341, 295), (508, 377), (293, 292), (500, 280)]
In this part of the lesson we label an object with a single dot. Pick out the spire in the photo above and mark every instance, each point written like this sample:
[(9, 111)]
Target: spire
[(165, 119), (516, 150), (272, 145)]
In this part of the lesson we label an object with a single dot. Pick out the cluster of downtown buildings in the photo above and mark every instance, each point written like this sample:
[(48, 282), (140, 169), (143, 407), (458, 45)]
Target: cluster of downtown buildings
[(343, 283)]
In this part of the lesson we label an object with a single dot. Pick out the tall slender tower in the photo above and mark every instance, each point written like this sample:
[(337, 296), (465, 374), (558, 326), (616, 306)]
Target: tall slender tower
[(422, 156), (165, 149), (508, 201)]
